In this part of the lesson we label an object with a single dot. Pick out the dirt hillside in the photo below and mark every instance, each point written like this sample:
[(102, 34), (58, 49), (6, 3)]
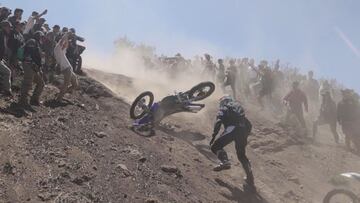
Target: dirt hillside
[(82, 151)]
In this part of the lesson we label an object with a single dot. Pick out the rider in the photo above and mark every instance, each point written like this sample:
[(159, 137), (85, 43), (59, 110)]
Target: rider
[(237, 128)]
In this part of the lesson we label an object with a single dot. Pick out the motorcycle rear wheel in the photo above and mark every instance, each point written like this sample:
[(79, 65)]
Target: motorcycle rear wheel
[(333, 193)]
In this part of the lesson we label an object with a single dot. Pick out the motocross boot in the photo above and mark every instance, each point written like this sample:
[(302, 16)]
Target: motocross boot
[(225, 164), (249, 184)]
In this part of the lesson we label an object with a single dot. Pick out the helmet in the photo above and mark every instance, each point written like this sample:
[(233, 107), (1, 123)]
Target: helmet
[(225, 100)]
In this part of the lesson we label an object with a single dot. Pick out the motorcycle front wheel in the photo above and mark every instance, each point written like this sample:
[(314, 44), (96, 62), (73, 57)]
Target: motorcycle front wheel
[(141, 104), (340, 196), (201, 91)]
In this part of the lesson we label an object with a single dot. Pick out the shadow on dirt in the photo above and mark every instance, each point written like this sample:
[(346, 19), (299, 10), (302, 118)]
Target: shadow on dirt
[(55, 104), (191, 137), (186, 135), (205, 150), (15, 110), (240, 195)]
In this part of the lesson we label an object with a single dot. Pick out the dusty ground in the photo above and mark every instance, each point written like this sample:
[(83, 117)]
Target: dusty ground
[(82, 151)]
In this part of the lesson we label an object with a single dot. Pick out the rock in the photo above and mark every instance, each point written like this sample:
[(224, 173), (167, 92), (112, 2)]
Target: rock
[(142, 159), (62, 119), (65, 175), (197, 160), (131, 151), (125, 172), (97, 107), (8, 168), (100, 134), (168, 138), (151, 200), (122, 166), (46, 196), (81, 180), (61, 163), (170, 169), (135, 152), (294, 180)]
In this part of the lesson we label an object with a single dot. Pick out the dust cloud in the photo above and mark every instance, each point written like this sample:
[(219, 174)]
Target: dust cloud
[(129, 59)]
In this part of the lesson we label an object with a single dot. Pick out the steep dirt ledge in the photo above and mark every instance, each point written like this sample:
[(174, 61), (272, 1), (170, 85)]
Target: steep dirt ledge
[(82, 151), (288, 168)]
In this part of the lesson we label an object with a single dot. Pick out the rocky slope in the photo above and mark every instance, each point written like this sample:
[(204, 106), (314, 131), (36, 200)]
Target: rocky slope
[(82, 151)]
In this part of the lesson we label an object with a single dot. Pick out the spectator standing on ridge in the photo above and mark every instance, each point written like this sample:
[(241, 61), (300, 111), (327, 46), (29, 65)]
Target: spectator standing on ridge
[(230, 79), (221, 71), (32, 20), (4, 13), (70, 79), (16, 17), (348, 118), (49, 46), (16, 43), (328, 115), (74, 50), (266, 81), (32, 71), (312, 87), (5, 71), (295, 100), (210, 70), (39, 25)]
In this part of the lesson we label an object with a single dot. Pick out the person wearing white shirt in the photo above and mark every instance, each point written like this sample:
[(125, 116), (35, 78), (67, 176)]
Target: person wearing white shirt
[(31, 21), (70, 79)]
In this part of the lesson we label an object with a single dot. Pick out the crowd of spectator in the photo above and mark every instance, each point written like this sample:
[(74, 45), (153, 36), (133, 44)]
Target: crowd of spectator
[(281, 89), (34, 52)]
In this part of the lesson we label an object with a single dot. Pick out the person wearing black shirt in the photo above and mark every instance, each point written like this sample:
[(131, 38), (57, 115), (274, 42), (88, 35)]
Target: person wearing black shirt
[(16, 17), (16, 43), (5, 71), (32, 71)]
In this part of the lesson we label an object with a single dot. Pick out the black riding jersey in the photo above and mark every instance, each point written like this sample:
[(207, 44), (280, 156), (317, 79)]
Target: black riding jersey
[(231, 115)]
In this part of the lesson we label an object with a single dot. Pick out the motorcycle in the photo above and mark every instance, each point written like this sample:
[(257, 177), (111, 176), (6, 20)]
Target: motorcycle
[(341, 194), (147, 114)]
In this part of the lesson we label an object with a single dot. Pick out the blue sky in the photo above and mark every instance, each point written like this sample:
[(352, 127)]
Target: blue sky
[(311, 34)]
